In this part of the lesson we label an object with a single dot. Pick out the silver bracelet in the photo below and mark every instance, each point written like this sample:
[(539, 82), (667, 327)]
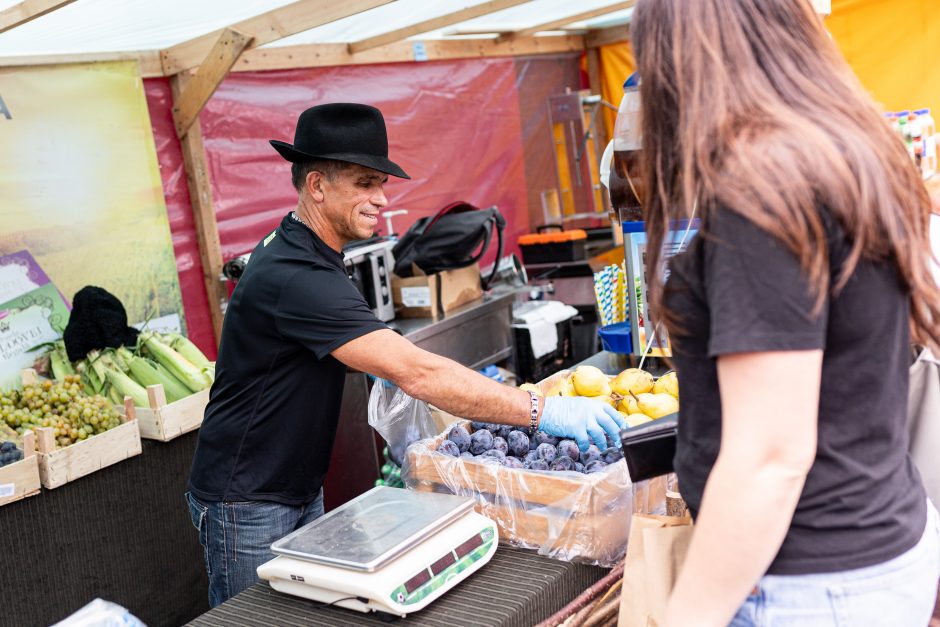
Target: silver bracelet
[(533, 413)]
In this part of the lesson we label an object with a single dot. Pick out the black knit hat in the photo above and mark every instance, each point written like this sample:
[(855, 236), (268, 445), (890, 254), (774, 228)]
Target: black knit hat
[(98, 320)]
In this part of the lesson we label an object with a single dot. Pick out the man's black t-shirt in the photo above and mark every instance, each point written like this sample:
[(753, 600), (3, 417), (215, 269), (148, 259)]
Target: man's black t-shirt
[(269, 427), (738, 289)]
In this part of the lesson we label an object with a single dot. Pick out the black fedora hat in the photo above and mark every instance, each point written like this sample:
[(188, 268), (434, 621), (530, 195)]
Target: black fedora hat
[(354, 133)]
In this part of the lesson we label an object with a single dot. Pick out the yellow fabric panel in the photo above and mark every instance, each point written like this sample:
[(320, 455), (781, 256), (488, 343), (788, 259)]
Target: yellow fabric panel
[(894, 48), (617, 63)]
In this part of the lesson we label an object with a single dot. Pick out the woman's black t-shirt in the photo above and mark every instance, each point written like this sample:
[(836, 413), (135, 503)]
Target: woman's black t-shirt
[(737, 289)]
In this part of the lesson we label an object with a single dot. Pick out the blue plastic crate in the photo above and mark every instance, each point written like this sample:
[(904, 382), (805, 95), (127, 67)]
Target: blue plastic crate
[(616, 338)]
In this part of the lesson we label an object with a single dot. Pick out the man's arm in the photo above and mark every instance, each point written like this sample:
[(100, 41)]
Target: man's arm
[(440, 381), (462, 392)]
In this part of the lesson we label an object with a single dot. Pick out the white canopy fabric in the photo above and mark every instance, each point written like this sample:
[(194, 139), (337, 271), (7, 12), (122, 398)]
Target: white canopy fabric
[(91, 26)]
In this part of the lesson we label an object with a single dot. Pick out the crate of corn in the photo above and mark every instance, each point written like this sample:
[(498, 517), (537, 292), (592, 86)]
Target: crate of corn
[(167, 377)]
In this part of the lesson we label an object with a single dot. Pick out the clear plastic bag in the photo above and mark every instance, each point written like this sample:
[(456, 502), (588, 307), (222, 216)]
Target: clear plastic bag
[(100, 613), (564, 515), (399, 418)]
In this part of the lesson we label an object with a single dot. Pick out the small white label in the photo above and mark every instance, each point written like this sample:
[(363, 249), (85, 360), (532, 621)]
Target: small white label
[(416, 296), (7, 489), (420, 53)]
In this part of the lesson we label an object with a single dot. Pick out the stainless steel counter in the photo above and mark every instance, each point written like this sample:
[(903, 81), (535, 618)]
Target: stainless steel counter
[(475, 335)]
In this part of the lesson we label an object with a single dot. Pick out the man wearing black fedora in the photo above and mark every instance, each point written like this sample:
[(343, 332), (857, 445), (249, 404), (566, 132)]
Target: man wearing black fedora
[(294, 324)]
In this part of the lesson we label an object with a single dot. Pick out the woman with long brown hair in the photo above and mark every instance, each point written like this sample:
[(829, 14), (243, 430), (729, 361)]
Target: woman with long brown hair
[(792, 315)]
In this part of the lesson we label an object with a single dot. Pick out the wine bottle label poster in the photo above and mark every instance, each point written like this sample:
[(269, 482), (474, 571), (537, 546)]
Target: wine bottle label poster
[(81, 186)]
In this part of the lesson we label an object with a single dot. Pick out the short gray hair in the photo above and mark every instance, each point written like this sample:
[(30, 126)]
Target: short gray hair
[(328, 167)]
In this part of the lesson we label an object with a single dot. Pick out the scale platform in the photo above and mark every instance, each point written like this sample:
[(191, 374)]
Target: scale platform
[(388, 550)]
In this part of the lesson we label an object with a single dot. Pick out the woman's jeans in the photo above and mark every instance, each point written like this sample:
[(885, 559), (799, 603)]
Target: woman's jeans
[(899, 592), (236, 538)]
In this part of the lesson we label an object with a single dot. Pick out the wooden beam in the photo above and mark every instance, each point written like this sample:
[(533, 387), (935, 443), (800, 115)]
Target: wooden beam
[(319, 55), (148, 61), (275, 24), (27, 11), (607, 36), (577, 17), (221, 58), (455, 17), (200, 196)]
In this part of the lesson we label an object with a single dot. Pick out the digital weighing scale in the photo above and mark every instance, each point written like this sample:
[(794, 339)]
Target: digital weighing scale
[(388, 550)]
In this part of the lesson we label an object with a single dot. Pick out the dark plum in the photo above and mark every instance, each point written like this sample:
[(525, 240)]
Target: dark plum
[(512, 462), (578, 467), (612, 455), (592, 453), (481, 441), (531, 456), (466, 455), (595, 466), (459, 436), (562, 462), (569, 448), (447, 447), (543, 438), (504, 431), (500, 445), (476, 426), (539, 464), (547, 452), (493, 452), (518, 443)]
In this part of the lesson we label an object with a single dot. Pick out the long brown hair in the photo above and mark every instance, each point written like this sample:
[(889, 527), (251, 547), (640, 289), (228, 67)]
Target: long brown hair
[(748, 104)]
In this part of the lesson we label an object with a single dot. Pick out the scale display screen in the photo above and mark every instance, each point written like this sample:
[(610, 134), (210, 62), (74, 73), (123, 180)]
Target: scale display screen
[(373, 528)]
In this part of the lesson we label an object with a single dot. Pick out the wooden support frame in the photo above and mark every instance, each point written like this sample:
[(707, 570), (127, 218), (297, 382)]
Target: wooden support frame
[(27, 11), (200, 88), (577, 17), (275, 24), (468, 13), (200, 196), (607, 36)]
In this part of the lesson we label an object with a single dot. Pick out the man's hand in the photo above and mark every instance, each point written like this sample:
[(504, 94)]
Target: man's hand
[(582, 419)]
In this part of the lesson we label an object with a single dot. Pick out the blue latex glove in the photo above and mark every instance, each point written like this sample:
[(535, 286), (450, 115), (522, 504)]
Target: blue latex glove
[(581, 419)]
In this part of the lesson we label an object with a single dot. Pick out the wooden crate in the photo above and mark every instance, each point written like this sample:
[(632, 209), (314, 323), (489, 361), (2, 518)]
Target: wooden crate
[(164, 421), (569, 515), (21, 479), (59, 466)]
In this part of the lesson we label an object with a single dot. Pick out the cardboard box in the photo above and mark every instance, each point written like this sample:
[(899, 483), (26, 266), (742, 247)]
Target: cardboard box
[(430, 296)]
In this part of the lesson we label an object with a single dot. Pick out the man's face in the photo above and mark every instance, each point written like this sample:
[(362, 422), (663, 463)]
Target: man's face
[(352, 201)]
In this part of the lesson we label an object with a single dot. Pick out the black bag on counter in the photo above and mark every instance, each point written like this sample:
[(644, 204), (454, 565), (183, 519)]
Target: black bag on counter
[(448, 240)]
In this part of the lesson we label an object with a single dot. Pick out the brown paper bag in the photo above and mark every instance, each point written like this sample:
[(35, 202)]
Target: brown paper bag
[(655, 551)]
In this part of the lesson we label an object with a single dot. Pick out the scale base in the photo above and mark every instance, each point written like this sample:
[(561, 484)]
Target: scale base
[(405, 585)]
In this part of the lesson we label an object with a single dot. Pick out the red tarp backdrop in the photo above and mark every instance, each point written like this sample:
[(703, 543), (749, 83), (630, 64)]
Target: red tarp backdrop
[(454, 126)]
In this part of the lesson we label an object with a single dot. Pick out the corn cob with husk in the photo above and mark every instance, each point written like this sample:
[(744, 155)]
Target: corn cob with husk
[(189, 374), (59, 362), (146, 373)]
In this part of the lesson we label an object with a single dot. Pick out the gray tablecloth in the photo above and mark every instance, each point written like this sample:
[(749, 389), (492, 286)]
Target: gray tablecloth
[(515, 588)]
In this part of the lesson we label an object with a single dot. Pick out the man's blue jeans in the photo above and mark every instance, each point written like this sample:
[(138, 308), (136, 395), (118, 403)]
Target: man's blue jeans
[(236, 538)]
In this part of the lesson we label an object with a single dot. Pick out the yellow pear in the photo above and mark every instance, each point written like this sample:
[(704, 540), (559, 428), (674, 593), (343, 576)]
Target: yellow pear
[(530, 387), (605, 399), (567, 388), (667, 384), (637, 419), (657, 405), (590, 381), (632, 381), (628, 405)]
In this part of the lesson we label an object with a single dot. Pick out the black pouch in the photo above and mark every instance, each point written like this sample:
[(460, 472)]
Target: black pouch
[(449, 239), (649, 448)]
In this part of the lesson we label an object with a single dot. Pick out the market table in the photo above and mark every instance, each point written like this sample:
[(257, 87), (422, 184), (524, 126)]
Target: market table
[(516, 587)]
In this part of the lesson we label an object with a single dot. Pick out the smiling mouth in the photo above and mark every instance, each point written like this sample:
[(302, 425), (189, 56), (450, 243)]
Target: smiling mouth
[(371, 216)]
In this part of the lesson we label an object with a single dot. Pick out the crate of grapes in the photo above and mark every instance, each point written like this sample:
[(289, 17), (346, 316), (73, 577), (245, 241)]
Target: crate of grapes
[(19, 467), (566, 515), (77, 434)]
